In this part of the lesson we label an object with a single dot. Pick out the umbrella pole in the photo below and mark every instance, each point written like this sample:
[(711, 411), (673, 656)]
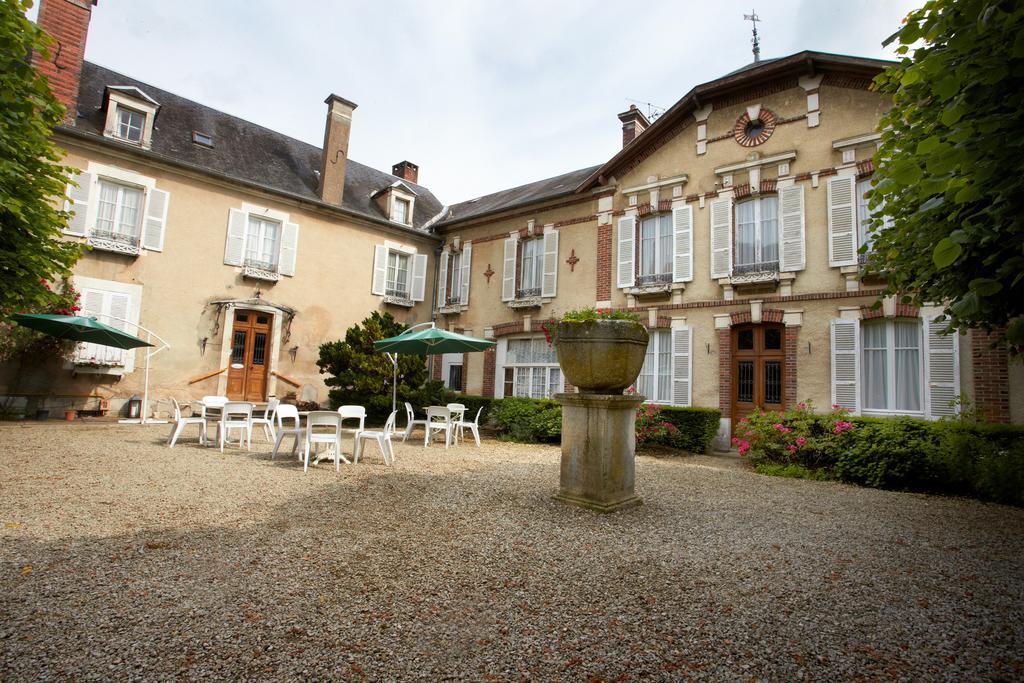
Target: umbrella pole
[(145, 384), (149, 354), (394, 381)]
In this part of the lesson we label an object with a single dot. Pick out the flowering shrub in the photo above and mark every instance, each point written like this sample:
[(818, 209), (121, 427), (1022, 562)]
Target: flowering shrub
[(18, 342), (652, 427), (798, 435)]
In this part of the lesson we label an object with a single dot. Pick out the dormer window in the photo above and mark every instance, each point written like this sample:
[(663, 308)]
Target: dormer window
[(400, 211), (130, 114), (130, 124)]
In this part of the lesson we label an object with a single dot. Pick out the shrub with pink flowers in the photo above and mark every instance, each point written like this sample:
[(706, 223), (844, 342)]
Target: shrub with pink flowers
[(798, 435), (652, 427)]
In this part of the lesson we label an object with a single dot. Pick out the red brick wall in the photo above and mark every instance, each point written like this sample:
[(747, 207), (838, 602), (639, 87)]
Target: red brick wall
[(490, 358), (991, 376), (725, 372), (792, 337), (435, 367), (68, 22), (465, 371), (604, 263)]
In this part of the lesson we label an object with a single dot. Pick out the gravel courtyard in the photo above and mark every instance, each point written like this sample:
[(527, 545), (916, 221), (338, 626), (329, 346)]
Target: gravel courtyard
[(125, 559)]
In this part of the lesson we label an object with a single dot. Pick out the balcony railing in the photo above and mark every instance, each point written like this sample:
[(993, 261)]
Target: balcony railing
[(398, 297), (117, 242), (654, 279), (530, 293), (260, 270), (765, 271), (528, 297)]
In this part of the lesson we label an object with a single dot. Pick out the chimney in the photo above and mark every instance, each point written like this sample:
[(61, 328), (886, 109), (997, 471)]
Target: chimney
[(336, 132), (633, 123), (67, 21), (406, 170)]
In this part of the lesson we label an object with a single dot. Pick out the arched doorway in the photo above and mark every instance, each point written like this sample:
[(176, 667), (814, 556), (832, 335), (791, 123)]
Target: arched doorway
[(248, 370), (758, 369)]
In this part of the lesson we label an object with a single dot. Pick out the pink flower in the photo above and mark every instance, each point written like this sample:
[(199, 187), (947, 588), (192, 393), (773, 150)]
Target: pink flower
[(800, 441), (744, 420), (835, 406), (802, 406), (792, 448), (779, 426)]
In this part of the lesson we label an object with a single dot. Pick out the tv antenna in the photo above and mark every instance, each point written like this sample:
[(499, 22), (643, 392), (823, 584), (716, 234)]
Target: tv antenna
[(755, 41), (653, 110)]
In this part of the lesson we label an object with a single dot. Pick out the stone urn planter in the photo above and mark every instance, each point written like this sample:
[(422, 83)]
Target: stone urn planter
[(601, 356)]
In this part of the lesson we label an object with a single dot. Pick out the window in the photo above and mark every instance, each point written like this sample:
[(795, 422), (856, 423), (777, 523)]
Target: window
[(891, 355), (261, 243), (531, 369), (397, 282), (130, 124), (202, 139), (401, 211), (757, 235), (655, 380), (655, 250), (532, 268), (455, 270), (119, 212), (864, 216)]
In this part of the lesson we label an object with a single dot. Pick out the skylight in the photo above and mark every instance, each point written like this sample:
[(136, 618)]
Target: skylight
[(202, 139)]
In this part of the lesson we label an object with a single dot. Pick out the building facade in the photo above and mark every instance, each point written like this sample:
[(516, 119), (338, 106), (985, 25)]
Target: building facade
[(733, 224)]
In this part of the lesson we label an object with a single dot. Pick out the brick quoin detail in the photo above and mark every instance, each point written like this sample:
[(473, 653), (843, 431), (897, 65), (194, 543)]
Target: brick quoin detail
[(465, 371), (792, 337), (991, 376), (902, 311), (768, 315), (505, 329), (435, 367), (604, 262), (490, 362), (725, 372), (68, 22)]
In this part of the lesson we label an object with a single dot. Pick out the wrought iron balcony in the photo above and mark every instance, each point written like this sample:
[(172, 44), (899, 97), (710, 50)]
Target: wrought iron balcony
[(528, 293), (398, 297), (765, 271), (451, 304), (117, 242), (260, 270), (654, 279), (526, 298)]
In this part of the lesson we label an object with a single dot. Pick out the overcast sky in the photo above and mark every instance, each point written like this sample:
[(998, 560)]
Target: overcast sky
[(483, 95)]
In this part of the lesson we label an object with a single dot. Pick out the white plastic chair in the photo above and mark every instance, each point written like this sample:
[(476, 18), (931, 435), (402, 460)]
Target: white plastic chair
[(439, 419), (267, 420), (471, 426), (180, 422), (211, 409), (284, 412), (235, 415), (323, 418), (411, 421), (458, 414), (353, 413), (383, 440)]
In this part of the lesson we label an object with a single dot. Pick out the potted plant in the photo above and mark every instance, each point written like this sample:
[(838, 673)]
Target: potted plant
[(600, 351)]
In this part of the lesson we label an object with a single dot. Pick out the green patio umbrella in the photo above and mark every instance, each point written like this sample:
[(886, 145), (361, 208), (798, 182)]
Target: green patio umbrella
[(428, 341)]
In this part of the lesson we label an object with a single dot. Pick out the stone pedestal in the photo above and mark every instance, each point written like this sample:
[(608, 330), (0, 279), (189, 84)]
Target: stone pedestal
[(598, 450)]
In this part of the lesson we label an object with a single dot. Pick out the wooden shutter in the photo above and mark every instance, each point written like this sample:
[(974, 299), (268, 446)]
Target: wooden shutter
[(846, 364), (682, 366), (682, 244), (791, 232), (419, 276), (549, 284), (508, 274), (467, 260), (627, 252), (842, 221), (721, 237), (156, 220), (78, 201), (234, 249), (289, 249), (942, 371), (380, 270), (442, 279)]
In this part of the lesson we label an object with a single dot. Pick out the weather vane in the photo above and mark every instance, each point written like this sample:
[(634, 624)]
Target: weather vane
[(753, 18)]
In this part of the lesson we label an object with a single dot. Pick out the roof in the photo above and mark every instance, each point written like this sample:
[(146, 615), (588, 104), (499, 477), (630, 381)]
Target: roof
[(801, 63), (241, 150), (541, 190)]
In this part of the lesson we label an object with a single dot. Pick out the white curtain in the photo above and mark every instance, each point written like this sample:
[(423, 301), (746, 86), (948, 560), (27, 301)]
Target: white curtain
[(876, 372), (107, 207), (664, 338), (665, 244), (746, 226), (908, 365), (769, 229)]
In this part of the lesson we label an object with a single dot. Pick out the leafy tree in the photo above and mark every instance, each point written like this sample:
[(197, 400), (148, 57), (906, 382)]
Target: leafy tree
[(359, 375), (31, 177), (949, 165)]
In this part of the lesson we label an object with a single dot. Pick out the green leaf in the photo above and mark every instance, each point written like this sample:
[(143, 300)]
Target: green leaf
[(905, 172), (984, 286), (946, 252), (928, 145), (911, 77), (968, 194)]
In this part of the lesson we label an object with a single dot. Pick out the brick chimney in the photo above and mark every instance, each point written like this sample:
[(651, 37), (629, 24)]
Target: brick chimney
[(336, 133), (67, 21), (633, 123), (406, 170)]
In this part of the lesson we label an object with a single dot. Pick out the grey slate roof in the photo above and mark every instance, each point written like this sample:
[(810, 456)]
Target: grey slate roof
[(541, 190), (241, 150)]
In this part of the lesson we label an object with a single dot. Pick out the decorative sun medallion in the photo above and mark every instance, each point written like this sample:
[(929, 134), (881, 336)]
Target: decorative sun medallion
[(752, 130)]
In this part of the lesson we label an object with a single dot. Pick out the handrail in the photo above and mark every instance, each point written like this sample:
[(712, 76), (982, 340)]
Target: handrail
[(289, 380), (207, 375)]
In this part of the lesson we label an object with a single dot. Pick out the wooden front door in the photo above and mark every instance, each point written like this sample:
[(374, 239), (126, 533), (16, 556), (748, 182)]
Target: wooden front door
[(758, 369), (250, 356)]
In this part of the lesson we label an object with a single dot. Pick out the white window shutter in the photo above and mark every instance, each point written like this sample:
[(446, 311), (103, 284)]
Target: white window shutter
[(549, 285), (682, 244), (627, 252), (78, 201), (289, 249), (380, 270), (442, 279), (419, 276), (117, 309), (682, 366), (791, 234), (846, 364), (92, 307), (467, 260), (156, 220), (234, 248), (842, 221), (721, 237), (942, 369), (508, 274)]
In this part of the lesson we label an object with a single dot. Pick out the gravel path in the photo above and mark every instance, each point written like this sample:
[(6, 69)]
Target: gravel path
[(121, 558)]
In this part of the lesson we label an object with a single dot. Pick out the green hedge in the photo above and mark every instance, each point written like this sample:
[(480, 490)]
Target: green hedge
[(528, 420), (696, 427)]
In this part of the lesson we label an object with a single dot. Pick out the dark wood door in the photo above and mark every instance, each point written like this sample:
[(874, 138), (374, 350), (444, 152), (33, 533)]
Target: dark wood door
[(250, 355), (758, 369)]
